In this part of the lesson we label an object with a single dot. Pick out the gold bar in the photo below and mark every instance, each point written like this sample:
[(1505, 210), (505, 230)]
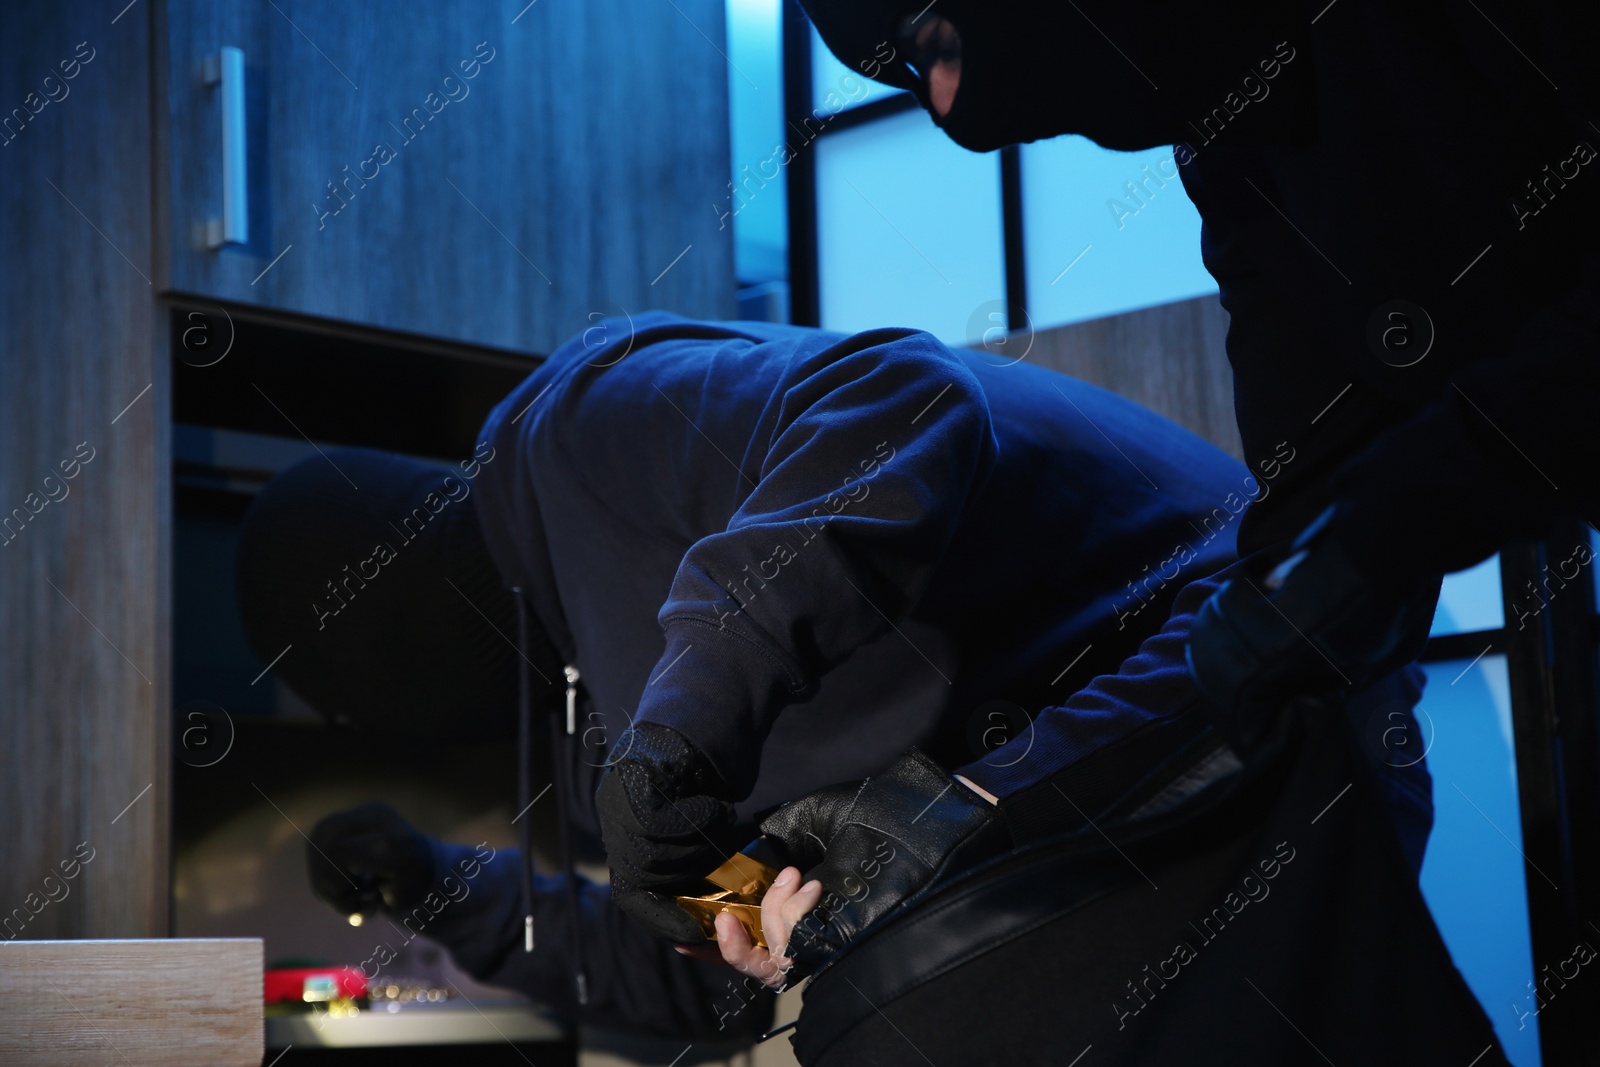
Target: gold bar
[(743, 881)]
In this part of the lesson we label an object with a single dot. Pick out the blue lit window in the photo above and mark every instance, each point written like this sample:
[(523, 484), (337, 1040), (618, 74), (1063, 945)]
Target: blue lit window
[(1470, 600), (756, 199), (908, 230), (835, 87), (1106, 232), (1472, 875)]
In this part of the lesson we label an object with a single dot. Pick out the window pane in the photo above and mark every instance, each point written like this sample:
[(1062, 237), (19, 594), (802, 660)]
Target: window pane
[(908, 231), (1106, 231), (756, 200), (1470, 600), (1472, 876), (835, 87)]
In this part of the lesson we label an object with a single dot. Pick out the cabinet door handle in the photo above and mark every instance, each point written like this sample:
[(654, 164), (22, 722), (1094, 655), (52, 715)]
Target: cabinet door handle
[(225, 70)]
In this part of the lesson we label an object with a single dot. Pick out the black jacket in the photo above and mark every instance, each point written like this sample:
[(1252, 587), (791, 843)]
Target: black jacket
[(1406, 245)]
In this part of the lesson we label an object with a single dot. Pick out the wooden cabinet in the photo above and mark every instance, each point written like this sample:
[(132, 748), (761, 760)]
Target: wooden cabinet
[(568, 168), (462, 169)]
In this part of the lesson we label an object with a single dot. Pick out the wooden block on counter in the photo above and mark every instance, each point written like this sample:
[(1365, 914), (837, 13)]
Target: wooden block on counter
[(162, 1002)]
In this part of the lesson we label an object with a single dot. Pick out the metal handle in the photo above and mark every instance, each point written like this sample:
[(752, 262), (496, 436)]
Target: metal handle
[(226, 70)]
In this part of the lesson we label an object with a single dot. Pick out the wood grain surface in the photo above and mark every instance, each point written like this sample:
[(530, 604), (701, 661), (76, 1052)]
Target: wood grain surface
[(170, 1003)]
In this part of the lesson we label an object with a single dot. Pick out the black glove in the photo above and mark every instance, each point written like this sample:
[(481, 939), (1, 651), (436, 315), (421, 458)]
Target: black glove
[(874, 843), (666, 819), (1301, 623), (369, 859)]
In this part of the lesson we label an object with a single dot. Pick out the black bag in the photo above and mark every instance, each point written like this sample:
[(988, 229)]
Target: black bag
[(1271, 921)]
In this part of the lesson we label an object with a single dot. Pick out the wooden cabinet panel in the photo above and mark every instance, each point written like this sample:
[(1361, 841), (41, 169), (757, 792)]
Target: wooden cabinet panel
[(85, 489), (463, 169)]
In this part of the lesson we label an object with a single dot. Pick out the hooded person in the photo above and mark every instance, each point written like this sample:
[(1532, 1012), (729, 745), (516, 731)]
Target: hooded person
[(757, 560)]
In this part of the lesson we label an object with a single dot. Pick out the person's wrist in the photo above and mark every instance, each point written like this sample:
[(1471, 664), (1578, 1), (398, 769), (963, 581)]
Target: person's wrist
[(978, 789)]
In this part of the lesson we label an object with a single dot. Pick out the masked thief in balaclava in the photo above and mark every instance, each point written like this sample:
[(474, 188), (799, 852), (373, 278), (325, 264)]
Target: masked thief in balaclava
[(757, 560), (1396, 210)]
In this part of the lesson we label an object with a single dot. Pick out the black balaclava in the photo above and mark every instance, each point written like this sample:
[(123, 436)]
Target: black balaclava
[(1127, 75), (371, 569)]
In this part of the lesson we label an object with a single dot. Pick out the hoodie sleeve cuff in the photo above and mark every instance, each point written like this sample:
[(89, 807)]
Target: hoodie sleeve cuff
[(722, 691)]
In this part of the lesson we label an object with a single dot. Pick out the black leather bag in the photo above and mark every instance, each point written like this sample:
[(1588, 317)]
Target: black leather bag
[(1272, 920)]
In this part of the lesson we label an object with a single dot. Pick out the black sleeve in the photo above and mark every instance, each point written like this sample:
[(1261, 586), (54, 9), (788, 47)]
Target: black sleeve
[(1507, 449), (1502, 450)]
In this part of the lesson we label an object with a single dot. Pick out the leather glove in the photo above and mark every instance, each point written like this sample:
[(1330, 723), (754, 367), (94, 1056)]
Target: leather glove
[(1303, 623), (666, 820), (873, 844), (369, 859)]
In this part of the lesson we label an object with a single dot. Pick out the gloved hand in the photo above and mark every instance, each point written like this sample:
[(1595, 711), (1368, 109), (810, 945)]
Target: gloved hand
[(666, 820), (369, 859), (874, 843), (1304, 623)]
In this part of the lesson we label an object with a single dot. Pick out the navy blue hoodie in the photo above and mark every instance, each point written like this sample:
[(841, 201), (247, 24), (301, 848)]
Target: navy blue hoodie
[(807, 551)]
